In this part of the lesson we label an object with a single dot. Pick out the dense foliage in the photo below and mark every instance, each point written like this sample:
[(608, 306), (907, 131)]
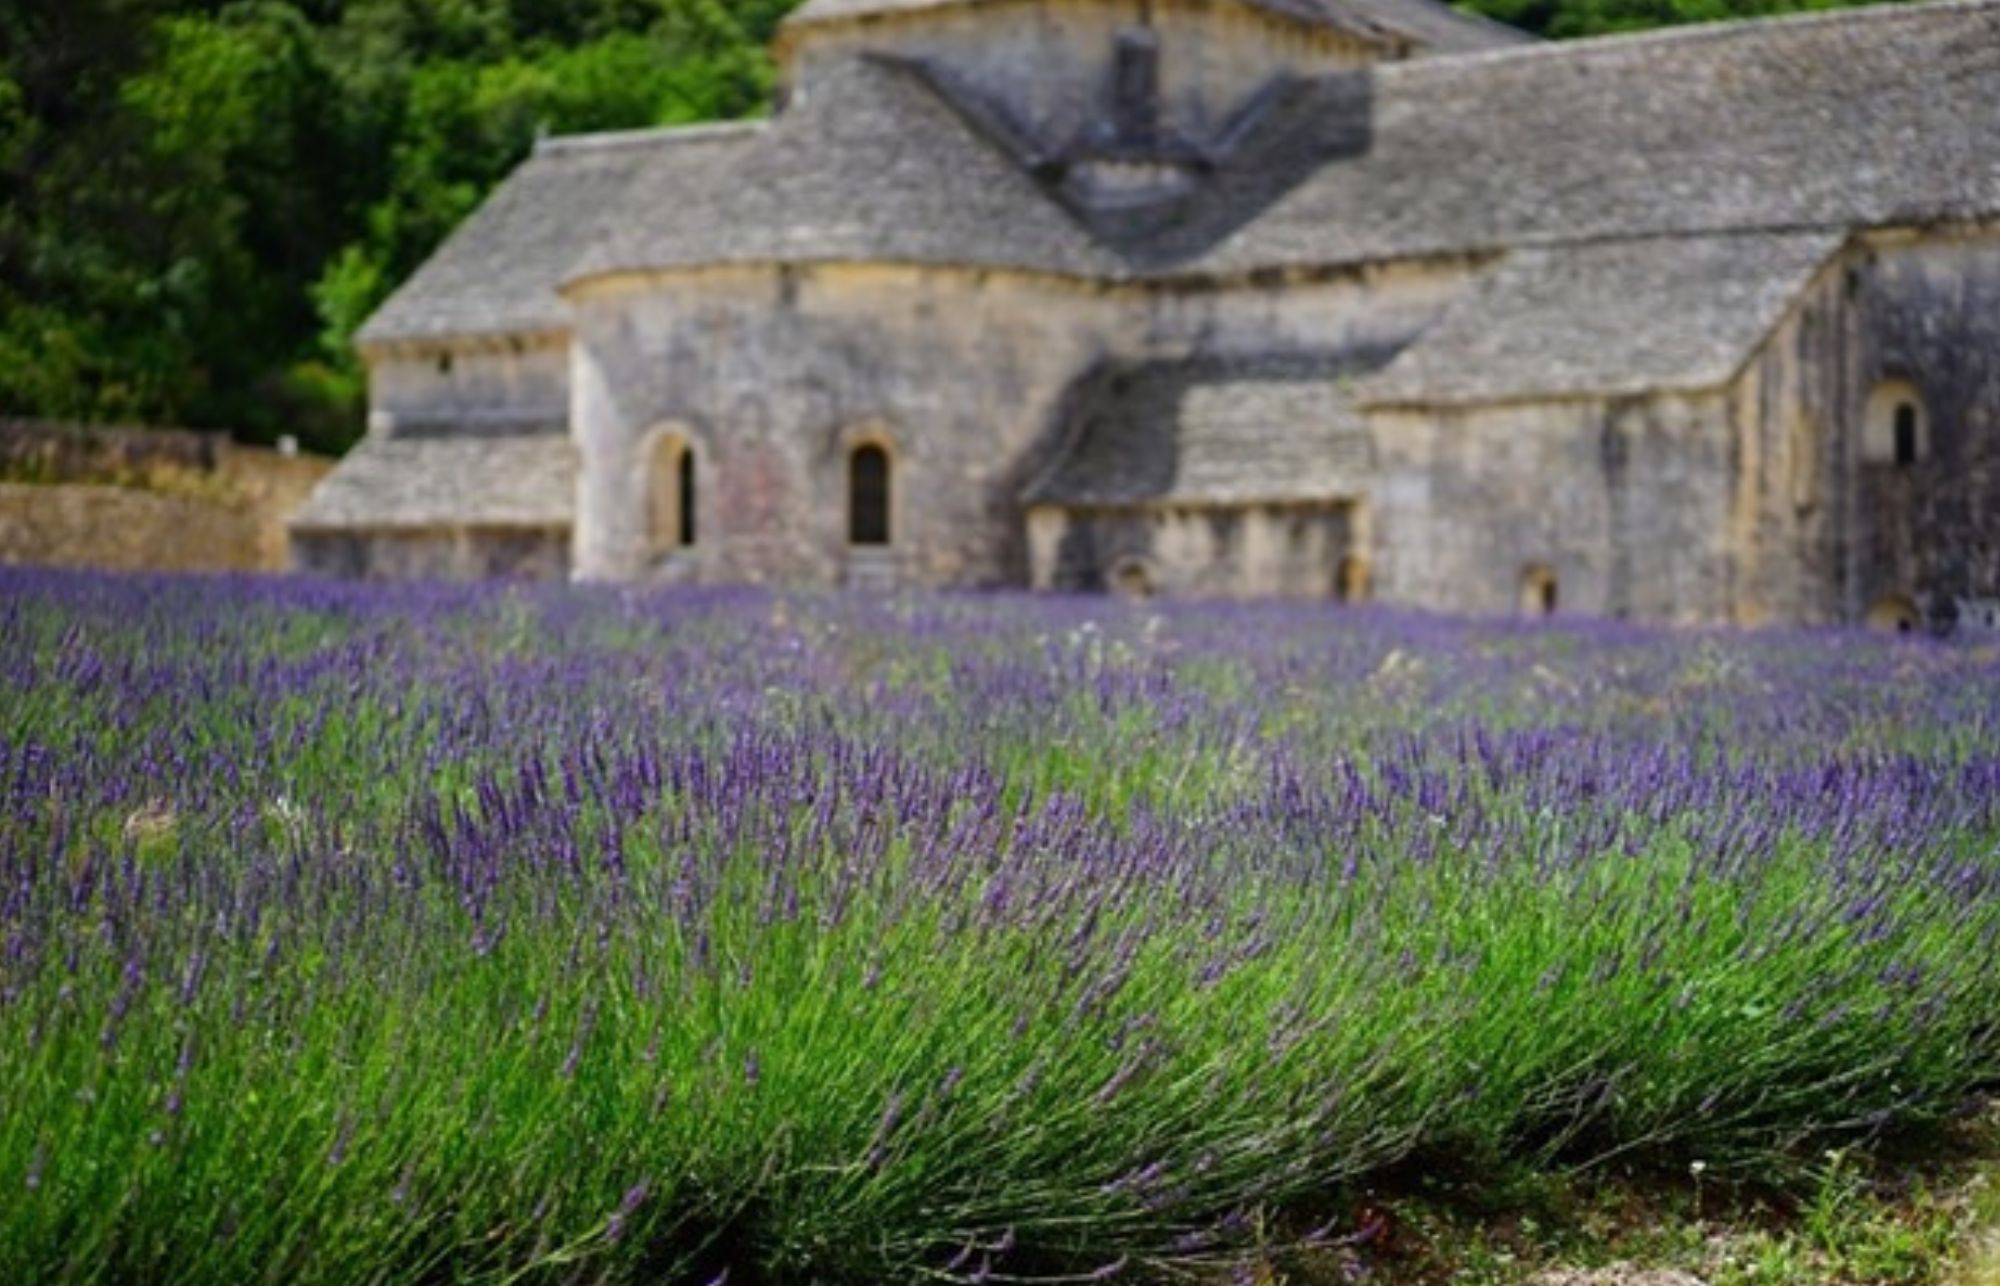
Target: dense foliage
[(394, 934), (200, 200)]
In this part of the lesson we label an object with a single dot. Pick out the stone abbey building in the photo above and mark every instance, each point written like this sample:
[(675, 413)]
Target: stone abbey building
[(1321, 298)]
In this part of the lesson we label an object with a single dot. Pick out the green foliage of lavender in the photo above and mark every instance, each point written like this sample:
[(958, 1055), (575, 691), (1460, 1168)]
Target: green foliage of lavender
[(400, 934)]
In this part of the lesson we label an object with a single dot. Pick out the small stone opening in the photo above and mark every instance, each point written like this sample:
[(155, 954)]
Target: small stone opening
[(1897, 428), (686, 533), (868, 496), (1895, 614), (670, 496), (1541, 593), (1906, 434), (1131, 578)]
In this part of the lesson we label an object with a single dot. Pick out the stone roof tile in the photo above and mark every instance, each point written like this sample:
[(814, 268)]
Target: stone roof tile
[(1209, 432), (876, 166), (422, 483), (1859, 117), (1681, 313), (498, 273)]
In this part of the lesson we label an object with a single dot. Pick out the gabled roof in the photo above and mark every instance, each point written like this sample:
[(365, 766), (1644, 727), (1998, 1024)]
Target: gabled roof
[(498, 273), (1858, 117), (427, 483), (1672, 314), (874, 167), (1214, 431)]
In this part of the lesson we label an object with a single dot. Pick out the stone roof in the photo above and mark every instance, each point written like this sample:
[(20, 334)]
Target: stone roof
[(1213, 432), (1678, 313), (876, 166), (1853, 118), (498, 273), (1857, 117), (421, 483)]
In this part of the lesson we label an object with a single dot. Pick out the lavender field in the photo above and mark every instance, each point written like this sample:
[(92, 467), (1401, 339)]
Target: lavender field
[(423, 934)]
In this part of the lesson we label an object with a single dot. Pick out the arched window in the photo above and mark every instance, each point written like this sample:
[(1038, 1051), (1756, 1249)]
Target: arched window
[(1539, 591), (868, 495), (1897, 429), (1906, 433), (686, 487), (670, 496)]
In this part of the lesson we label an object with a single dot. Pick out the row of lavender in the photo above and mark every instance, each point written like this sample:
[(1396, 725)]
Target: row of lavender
[(399, 934)]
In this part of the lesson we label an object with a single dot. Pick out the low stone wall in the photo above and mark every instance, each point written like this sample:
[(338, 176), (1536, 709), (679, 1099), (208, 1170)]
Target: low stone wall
[(460, 553), (143, 500)]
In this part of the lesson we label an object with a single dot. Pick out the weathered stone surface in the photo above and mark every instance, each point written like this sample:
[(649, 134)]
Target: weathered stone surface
[(1611, 327), (123, 529), (136, 500), (775, 376), (1621, 500), (465, 553)]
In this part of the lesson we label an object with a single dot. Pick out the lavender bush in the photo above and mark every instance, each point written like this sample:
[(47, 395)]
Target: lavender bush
[(399, 934)]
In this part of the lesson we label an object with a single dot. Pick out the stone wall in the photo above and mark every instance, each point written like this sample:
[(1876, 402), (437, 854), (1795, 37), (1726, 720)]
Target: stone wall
[(124, 529), (495, 385), (448, 554), (1790, 425), (1754, 505), (1926, 311), (773, 375), (145, 500), (1820, 531), (1235, 551), (1623, 502)]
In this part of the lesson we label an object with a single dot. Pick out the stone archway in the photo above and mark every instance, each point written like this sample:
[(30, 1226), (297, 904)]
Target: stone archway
[(1895, 614)]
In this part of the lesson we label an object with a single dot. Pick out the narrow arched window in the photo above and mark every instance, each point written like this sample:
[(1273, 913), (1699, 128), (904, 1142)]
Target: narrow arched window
[(686, 532), (1540, 593), (1906, 434), (1896, 427), (670, 496), (868, 495)]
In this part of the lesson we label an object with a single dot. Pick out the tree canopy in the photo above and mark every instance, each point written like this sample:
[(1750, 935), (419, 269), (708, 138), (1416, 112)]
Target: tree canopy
[(201, 200)]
